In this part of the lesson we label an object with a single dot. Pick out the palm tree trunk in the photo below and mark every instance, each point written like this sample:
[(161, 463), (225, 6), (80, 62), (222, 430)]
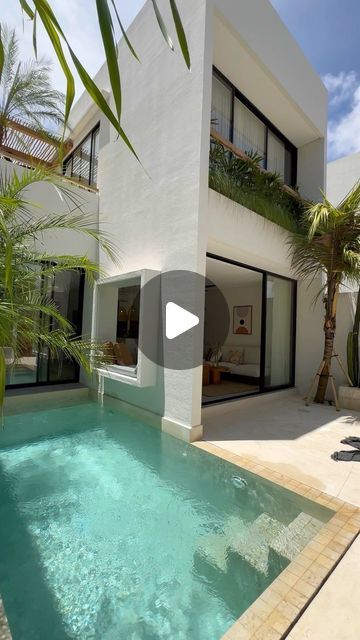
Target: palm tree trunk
[(329, 334)]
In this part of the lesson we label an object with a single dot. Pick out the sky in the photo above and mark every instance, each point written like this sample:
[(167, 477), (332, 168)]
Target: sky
[(326, 30)]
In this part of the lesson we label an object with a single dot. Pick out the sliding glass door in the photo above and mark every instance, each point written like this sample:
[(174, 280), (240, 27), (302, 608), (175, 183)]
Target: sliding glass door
[(258, 354), (34, 365), (279, 332)]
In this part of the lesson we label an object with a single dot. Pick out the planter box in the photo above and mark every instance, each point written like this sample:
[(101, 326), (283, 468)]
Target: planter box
[(349, 398)]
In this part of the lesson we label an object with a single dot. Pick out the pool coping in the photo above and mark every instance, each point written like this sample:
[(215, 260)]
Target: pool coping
[(275, 612)]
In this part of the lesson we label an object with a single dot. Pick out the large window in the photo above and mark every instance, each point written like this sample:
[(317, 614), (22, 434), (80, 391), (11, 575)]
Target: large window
[(82, 164), (34, 364), (280, 332), (221, 107), (127, 327), (238, 121), (249, 131), (258, 354)]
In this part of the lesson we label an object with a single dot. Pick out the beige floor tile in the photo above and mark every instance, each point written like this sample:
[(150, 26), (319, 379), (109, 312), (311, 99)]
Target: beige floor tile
[(291, 444), (291, 439), (334, 613)]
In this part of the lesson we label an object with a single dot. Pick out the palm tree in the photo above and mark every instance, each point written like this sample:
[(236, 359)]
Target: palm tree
[(23, 305), (329, 248), (26, 94)]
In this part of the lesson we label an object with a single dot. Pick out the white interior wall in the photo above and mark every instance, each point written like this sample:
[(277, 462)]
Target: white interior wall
[(243, 296), (249, 294)]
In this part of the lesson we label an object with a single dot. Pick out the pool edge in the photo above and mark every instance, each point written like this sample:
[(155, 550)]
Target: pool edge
[(278, 608)]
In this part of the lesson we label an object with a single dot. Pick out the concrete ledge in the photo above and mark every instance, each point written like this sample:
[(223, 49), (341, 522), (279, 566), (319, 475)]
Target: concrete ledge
[(181, 431), (349, 398), (42, 398), (132, 410)]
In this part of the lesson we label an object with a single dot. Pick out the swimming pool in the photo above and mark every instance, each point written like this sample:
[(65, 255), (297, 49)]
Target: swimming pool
[(111, 530)]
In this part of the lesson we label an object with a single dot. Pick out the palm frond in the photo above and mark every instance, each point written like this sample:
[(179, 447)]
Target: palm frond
[(64, 50), (26, 93), (28, 313)]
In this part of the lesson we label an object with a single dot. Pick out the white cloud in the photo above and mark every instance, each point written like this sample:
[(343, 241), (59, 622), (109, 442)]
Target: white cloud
[(344, 122), (341, 86)]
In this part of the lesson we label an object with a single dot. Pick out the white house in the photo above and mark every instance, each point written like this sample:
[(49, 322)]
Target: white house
[(251, 89)]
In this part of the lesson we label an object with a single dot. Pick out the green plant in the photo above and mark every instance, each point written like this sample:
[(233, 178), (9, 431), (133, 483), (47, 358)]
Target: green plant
[(242, 180), (353, 347), (24, 307), (329, 248), (26, 93), (108, 20)]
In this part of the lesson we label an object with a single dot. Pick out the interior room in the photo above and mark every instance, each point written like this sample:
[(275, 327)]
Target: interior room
[(233, 368), (258, 353)]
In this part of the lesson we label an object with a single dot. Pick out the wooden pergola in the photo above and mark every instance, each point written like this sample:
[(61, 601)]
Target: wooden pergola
[(31, 147)]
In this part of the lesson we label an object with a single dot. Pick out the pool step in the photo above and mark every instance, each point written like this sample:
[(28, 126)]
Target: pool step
[(289, 542), (254, 541)]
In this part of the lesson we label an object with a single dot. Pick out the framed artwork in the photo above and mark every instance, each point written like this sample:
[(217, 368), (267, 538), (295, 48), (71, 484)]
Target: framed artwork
[(242, 320)]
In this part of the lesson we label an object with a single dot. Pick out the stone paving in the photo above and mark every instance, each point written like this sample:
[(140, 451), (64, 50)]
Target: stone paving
[(278, 438)]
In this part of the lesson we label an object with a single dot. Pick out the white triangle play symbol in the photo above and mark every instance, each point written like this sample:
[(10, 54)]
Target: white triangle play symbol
[(178, 320)]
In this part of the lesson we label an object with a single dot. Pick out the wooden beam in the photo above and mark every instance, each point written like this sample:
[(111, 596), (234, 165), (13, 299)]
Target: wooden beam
[(25, 158)]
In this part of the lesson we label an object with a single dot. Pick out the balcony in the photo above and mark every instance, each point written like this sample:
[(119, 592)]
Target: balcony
[(239, 177)]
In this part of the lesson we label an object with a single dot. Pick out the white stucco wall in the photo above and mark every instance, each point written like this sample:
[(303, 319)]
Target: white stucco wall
[(342, 175), (311, 176), (47, 199), (246, 236), (159, 212), (155, 210)]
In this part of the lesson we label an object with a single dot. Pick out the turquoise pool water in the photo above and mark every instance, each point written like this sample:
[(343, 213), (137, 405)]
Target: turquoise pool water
[(110, 530)]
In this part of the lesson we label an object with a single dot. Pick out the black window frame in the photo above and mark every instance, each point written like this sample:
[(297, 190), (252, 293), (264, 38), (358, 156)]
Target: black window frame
[(91, 134), (263, 388), (269, 126), (77, 333)]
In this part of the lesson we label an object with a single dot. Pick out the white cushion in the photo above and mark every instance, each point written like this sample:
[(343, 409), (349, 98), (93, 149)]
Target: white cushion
[(228, 351), (250, 370)]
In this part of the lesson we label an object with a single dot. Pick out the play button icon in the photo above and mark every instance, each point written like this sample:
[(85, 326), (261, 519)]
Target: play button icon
[(179, 309), (178, 320)]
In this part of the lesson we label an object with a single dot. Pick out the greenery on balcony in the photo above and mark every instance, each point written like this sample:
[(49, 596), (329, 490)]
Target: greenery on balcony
[(241, 179)]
